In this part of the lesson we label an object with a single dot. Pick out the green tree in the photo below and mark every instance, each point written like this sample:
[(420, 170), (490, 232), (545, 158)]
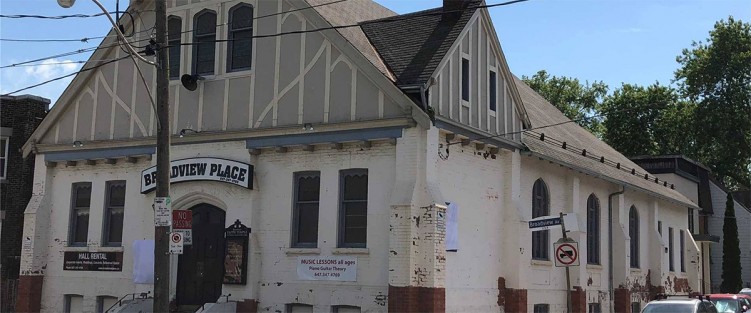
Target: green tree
[(731, 251), (576, 100), (647, 121), (717, 76)]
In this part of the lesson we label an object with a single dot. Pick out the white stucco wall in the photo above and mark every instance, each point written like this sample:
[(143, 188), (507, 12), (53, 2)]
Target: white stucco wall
[(267, 209)]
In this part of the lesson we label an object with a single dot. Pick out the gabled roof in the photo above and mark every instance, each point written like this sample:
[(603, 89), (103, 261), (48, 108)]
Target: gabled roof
[(352, 12), (542, 113), (412, 45)]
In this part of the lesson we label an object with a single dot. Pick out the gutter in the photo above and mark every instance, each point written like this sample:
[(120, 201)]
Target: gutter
[(612, 180), (610, 244)]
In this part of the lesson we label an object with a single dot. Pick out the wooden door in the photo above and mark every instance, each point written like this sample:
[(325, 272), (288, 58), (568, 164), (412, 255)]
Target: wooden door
[(201, 266)]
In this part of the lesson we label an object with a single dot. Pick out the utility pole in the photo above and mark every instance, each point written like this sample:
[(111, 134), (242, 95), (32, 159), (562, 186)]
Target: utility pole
[(161, 232)]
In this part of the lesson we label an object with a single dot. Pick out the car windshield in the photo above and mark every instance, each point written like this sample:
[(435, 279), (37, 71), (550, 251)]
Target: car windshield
[(726, 305), (664, 307)]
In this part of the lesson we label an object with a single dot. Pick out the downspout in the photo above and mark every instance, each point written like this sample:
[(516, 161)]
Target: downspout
[(610, 246)]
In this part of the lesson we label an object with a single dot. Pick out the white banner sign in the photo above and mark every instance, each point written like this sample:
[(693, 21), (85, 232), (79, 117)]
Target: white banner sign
[(162, 211), (194, 169), (327, 268)]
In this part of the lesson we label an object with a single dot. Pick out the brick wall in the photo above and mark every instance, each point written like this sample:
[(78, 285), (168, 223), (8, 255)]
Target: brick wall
[(22, 114)]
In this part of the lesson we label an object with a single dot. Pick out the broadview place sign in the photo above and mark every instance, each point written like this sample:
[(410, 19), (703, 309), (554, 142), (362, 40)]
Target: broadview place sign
[(197, 169)]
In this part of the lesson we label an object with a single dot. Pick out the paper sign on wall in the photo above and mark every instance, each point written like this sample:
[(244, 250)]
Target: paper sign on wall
[(327, 268)]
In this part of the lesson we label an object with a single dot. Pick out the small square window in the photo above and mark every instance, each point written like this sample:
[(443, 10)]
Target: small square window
[(542, 308)]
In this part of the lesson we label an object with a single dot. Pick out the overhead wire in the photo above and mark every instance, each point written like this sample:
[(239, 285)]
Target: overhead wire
[(68, 75)]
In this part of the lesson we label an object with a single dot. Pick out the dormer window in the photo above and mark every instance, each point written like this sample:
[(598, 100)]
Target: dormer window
[(465, 79), (174, 32), (240, 36), (204, 42)]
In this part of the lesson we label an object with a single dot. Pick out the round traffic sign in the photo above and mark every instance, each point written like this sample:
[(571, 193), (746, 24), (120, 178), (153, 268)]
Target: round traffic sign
[(177, 237), (566, 254)]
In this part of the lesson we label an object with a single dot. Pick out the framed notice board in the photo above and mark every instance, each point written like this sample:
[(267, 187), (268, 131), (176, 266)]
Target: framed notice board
[(236, 254)]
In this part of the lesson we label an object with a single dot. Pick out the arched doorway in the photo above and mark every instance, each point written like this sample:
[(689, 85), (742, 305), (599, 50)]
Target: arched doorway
[(201, 266)]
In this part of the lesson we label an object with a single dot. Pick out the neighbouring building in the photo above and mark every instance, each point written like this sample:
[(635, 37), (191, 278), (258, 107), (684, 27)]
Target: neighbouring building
[(19, 116), (697, 183), (393, 164)]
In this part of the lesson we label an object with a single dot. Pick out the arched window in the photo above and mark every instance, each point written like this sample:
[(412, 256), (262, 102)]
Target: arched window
[(240, 36), (174, 32), (204, 42), (633, 232), (593, 230), (540, 207)]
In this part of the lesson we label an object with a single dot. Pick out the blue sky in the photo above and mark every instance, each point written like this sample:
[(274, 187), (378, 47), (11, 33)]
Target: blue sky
[(615, 41)]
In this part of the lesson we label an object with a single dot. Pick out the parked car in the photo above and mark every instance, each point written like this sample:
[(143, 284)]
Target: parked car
[(745, 291), (679, 305), (730, 303)]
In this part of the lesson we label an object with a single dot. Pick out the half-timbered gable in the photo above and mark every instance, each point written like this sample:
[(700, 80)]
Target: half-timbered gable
[(289, 74), (453, 56)]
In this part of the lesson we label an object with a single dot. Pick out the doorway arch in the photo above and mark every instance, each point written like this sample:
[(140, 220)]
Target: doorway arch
[(200, 268)]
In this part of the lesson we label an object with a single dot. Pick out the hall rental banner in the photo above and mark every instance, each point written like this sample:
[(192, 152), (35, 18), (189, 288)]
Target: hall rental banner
[(206, 169)]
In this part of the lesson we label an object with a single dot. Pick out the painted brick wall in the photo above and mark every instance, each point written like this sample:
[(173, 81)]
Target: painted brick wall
[(22, 114)]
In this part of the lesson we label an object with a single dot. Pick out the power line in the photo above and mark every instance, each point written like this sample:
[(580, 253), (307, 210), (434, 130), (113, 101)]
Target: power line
[(64, 76), (56, 17), (64, 63)]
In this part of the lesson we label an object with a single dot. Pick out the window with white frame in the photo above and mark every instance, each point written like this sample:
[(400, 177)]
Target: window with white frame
[(73, 304), (633, 233), (493, 96), (105, 302), (204, 42), (240, 38), (3, 157), (346, 309), (305, 211), (353, 208), (465, 79), (114, 213), (174, 34), (540, 207), (593, 230), (299, 308), (671, 264), (79, 214)]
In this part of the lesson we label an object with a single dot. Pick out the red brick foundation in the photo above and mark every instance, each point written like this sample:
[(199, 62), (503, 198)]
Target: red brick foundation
[(416, 299), (512, 300), (579, 300), (622, 300), (29, 293), (247, 306)]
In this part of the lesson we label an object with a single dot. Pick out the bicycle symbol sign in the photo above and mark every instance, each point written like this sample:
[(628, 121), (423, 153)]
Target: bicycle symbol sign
[(566, 254)]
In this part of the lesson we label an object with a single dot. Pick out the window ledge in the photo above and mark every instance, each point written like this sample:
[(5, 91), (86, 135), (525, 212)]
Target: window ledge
[(76, 249), (635, 270), (350, 251), (465, 103), (541, 262), (110, 249), (300, 251), (596, 267), (239, 73)]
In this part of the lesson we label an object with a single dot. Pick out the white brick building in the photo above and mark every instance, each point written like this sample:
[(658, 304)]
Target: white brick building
[(358, 141)]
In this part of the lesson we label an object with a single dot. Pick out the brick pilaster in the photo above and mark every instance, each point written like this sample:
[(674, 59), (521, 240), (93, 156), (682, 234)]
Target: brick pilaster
[(29, 293), (622, 300)]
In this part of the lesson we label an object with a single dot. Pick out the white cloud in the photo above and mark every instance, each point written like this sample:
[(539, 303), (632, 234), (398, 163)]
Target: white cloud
[(14, 78)]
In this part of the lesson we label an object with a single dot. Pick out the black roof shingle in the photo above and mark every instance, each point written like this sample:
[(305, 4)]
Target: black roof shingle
[(412, 45)]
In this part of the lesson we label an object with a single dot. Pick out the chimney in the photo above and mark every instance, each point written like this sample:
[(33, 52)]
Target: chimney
[(453, 5)]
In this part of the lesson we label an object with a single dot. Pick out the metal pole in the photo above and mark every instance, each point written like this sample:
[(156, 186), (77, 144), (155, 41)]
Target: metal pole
[(161, 233), (568, 275)]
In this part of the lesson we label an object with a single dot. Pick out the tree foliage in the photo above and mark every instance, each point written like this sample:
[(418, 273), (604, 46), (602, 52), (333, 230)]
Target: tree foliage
[(648, 120), (717, 75), (576, 100), (731, 252)]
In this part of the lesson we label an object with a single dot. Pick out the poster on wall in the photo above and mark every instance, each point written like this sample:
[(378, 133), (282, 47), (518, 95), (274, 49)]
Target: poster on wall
[(327, 268), (236, 254), (93, 261)]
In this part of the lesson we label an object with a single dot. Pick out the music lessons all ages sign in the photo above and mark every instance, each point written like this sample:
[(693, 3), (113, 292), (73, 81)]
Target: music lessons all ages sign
[(193, 169), (327, 268)]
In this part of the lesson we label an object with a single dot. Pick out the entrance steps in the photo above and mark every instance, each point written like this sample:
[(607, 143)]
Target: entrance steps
[(133, 306), (224, 307), (146, 306)]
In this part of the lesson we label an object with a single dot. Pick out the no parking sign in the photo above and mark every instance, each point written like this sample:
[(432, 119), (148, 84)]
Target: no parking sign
[(175, 243), (566, 254)]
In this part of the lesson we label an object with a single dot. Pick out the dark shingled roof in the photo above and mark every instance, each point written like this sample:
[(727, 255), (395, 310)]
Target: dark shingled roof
[(413, 44)]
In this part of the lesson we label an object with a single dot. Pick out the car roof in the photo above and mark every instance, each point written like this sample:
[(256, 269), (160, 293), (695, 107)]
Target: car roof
[(675, 301), (725, 296)]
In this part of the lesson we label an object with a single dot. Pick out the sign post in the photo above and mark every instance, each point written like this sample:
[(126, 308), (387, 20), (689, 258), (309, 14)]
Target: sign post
[(575, 257)]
